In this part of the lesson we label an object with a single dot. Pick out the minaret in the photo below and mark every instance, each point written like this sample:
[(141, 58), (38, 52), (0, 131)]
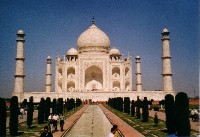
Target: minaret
[(19, 73), (48, 75), (138, 74), (166, 64)]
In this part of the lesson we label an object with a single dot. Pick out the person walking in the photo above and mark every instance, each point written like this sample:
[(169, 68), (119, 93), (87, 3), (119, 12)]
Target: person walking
[(115, 127), (51, 121), (61, 117), (112, 132), (192, 114), (55, 118)]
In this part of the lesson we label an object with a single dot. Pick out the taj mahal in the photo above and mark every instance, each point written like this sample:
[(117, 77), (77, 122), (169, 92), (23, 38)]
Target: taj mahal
[(94, 71)]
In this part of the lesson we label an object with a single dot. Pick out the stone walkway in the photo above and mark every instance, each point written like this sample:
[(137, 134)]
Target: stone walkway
[(162, 116), (124, 128), (92, 123), (69, 122)]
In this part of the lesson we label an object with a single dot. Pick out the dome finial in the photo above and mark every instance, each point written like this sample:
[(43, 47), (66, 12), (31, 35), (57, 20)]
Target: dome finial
[(93, 20)]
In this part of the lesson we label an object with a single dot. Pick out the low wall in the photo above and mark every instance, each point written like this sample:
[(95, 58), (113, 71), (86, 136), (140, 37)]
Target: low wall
[(95, 96)]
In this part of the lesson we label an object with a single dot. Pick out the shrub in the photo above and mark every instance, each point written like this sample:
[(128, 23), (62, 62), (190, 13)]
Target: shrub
[(132, 108), (47, 108), (14, 112), (127, 105), (145, 110), (170, 113), (3, 117), (60, 106), (41, 110), (138, 105), (156, 108), (54, 106), (182, 114), (30, 111)]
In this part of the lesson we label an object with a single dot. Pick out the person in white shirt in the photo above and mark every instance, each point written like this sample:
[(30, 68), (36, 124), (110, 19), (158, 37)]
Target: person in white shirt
[(55, 117), (51, 121), (112, 132)]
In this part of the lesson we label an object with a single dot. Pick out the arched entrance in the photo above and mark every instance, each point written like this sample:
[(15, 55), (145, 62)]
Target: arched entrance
[(93, 78)]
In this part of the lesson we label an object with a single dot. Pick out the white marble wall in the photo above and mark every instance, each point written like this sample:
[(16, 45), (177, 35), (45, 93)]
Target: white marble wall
[(96, 96)]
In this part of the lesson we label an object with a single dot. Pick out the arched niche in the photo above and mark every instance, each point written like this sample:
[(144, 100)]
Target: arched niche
[(116, 86), (93, 78), (70, 72), (127, 86), (126, 71), (60, 71), (71, 86)]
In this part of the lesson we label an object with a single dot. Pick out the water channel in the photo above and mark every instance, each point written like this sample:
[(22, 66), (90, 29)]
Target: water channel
[(92, 123)]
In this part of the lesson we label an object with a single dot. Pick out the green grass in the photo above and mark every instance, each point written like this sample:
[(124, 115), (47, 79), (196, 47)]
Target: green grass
[(36, 129), (146, 128)]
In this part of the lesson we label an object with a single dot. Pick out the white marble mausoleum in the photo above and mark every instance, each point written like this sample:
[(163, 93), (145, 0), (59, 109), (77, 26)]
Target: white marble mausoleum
[(94, 70)]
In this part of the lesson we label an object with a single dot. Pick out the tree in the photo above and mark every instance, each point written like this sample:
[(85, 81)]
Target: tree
[(24, 103), (138, 105), (127, 105), (54, 106), (3, 117), (41, 110), (47, 108), (78, 102), (182, 114), (60, 106), (14, 112), (30, 111), (145, 110), (132, 108), (170, 114)]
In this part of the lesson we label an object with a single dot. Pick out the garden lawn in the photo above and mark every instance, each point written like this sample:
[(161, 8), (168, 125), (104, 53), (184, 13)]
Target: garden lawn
[(146, 128), (36, 129)]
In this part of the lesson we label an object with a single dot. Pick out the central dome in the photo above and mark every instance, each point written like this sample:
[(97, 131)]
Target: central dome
[(93, 40)]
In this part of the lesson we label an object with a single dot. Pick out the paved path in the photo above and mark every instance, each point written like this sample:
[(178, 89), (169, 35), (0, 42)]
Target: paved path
[(162, 116), (92, 123), (69, 122), (124, 128)]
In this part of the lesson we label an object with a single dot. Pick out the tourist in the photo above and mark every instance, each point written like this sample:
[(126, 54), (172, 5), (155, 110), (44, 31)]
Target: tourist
[(51, 121), (196, 115), (112, 132), (156, 119), (61, 117), (192, 114), (21, 112), (115, 127), (55, 118), (46, 133)]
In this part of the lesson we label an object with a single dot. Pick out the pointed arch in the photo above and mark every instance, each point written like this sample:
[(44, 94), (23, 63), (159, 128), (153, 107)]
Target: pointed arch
[(70, 72), (70, 86), (93, 78), (116, 86)]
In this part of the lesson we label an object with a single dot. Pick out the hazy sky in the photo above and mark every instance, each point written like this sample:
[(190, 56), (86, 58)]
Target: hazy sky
[(53, 26)]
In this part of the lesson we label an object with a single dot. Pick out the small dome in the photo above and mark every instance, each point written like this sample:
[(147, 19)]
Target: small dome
[(165, 30), (137, 57), (114, 51), (72, 51), (93, 39), (20, 32), (48, 57)]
